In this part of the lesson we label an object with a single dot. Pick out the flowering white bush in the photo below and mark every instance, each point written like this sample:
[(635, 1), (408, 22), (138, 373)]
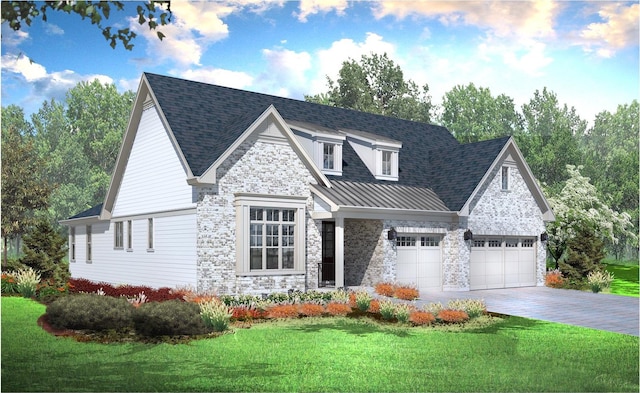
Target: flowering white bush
[(599, 280)]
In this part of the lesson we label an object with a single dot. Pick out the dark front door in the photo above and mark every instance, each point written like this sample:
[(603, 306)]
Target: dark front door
[(328, 267)]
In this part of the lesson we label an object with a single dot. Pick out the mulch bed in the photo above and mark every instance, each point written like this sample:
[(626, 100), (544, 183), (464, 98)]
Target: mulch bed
[(43, 322)]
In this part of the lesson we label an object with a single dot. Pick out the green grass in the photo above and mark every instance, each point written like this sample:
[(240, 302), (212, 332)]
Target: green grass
[(326, 355), (625, 280)]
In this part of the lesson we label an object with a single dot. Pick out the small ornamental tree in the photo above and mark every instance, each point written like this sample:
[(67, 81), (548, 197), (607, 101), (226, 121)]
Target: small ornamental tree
[(585, 251), (44, 250), (576, 207)]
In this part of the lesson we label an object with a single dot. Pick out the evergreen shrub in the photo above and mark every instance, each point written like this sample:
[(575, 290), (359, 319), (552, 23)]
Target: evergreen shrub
[(90, 312), (168, 318)]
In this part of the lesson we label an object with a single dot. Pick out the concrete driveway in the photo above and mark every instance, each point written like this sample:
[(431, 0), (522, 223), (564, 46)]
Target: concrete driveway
[(593, 310)]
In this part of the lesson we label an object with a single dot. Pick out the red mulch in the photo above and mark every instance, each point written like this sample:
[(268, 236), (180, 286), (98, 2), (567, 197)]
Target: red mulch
[(43, 322)]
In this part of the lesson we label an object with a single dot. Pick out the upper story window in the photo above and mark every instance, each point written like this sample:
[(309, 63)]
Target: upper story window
[(505, 178), (386, 163), (118, 235), (328, 156), (378, 153)]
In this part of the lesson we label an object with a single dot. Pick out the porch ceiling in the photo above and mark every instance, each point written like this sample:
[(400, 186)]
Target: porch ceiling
[(386, 196)]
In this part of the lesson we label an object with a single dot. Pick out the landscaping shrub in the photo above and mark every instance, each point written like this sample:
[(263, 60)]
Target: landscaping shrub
[(335, 308), (244, 313), (406, 293), (387, 310), (9, 283), (170, 318), (215, 315), (363, 300), (420, 318), (585, 252), (453, 316), (599, 280), (554, 279), (47, 291), (473, 307), (433, 308), (136, 301), (90, 312), (311, 309), (403, 311), (385, 289), (283, 311), (27, 281), (374, 306), (340, 296), (44, 251)]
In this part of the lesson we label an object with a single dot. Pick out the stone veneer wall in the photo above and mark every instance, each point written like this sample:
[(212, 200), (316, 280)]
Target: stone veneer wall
[(371, 258), (455, 251), (255, 167), (509, 213)]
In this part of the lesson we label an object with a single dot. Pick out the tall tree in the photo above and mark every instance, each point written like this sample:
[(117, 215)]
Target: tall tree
[(377, 85), (15, 13), (81, 140), (611, 146), (23, 189), (473, 114), (549, 140)]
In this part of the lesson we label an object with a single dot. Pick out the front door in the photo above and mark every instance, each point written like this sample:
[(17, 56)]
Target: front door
[(328, 266)]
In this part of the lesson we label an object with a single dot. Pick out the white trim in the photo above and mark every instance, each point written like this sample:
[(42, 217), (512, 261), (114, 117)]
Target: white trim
[(243, 203), (209, 176), (511, 150)]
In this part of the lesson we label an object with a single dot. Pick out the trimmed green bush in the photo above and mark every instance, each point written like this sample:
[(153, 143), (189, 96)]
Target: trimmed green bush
[(90, 312), (170, 318)]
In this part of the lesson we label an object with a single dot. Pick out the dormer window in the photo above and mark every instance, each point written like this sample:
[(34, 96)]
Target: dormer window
[(386, 163), (328, 156)]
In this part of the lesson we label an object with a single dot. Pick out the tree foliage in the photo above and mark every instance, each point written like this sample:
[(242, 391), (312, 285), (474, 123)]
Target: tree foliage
[(549, 140), (577, 208), (472, 114), (20, 13), (24, 189), (44, 251), (376, 84), (585, 251), (81, 140)]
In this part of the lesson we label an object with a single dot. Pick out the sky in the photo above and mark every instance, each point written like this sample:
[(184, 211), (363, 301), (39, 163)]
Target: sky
[(585, 52)]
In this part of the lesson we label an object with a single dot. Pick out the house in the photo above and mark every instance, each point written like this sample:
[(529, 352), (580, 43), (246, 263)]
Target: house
[(238, 192)]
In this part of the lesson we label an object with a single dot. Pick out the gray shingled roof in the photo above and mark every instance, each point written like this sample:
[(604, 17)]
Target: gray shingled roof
[(206, 119), (91, 212)]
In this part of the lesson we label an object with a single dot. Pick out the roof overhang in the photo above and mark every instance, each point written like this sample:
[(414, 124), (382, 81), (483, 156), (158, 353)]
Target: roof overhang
[(510, 148)]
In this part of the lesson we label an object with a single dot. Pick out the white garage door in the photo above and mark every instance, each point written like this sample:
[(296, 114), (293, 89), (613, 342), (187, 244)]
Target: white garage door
[(498, 262), (419, 261)]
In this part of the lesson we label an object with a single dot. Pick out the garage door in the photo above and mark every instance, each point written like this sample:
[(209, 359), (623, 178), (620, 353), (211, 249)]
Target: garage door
[(498, 262), (419, 261)]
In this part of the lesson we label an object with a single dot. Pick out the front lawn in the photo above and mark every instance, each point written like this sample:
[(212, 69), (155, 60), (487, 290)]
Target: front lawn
[(323, 354), (625, 280)]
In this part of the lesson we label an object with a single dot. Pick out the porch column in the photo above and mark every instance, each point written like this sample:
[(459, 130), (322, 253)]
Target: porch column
[(339, 257)]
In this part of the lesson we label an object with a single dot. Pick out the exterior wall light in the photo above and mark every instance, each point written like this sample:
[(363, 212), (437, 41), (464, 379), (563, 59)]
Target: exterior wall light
[(544, 237), (392, 234), (468, 235)]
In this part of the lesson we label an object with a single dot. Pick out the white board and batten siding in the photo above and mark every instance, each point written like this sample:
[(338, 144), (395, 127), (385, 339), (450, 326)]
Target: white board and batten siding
[(155, 180), (153, 186)]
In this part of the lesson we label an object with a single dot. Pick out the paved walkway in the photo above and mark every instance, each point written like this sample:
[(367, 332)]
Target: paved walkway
[(594, 310)]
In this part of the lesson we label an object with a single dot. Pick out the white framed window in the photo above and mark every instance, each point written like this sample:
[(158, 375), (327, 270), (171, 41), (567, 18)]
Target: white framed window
[(528, 243), (118, 235), (505, 178), (72, 248), (511, 243), (270, 234), (328, 156), (478, 243), (494, 243), (430, 241), (129, 235), (386, 165), (406, 241), (150, 234), (89, 245)]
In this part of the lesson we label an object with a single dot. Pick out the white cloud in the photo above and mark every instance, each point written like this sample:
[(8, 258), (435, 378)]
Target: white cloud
[(329, 61), (11, 38), (217, 76), (285, 73), (40, 85), (502, 18), (52, 29), (311, 7), (618, 30)]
